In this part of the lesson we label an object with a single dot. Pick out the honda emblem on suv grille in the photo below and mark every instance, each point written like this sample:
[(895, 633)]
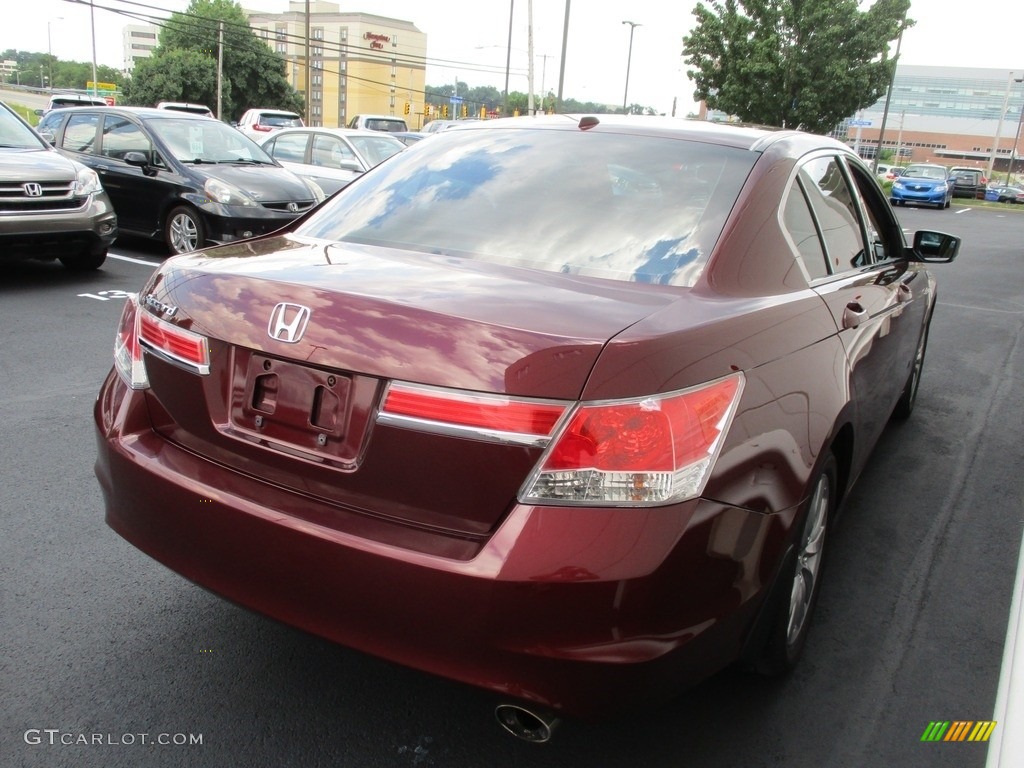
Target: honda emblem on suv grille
[(32, 189), (288, 322)]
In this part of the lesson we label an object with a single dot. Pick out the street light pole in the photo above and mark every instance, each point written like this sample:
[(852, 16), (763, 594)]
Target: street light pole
[(508, 57), (629, 58), (999, 127), (49, 47), (1016, 136)]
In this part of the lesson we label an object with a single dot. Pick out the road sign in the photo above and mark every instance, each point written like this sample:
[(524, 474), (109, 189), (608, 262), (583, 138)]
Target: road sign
[(859, 123)]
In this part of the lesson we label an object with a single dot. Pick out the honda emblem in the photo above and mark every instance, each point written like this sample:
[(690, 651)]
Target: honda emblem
[(288, 322), (32, 189)]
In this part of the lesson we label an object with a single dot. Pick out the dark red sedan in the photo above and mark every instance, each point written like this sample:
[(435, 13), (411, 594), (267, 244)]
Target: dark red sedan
[(559, 407)]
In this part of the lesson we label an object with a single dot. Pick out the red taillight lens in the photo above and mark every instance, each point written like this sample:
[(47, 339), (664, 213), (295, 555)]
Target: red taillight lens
[(127, 353), (174, 343), (264, 128), (651, 451), (454, 410)]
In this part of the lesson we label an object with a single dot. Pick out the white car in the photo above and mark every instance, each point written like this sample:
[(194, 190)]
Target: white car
[(258, 123), (331, 157)]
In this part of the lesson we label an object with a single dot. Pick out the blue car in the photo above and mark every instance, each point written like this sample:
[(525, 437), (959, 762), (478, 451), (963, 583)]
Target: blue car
[(924, 184)]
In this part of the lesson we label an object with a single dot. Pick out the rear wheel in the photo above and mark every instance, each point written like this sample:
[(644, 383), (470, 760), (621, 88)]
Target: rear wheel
[(183, 230), (803, 570)]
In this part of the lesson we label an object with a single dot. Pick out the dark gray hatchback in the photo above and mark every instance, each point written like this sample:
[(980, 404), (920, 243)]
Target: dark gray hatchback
[(50, 206), (182, 178)]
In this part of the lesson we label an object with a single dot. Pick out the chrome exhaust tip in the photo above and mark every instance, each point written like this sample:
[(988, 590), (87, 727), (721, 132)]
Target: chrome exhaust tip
[(526, 724)]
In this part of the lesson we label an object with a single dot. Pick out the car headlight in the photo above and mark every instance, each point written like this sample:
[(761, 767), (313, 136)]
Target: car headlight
[(940, 187), (87, 182), (318, 193), (897, 185), (227, 194)]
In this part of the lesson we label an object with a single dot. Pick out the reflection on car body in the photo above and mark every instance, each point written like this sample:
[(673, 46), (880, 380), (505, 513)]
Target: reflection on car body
[(560, 408)]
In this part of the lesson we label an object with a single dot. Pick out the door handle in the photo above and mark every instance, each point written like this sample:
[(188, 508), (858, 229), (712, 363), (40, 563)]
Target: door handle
[(854, 315)]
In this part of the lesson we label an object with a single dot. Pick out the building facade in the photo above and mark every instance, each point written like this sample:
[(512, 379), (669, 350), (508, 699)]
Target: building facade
[(359, 63), (139, 42), (947, 115)]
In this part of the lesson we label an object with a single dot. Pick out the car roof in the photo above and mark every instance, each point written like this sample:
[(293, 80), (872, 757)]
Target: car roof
[(146, 112), (739, 135), (331, 131)]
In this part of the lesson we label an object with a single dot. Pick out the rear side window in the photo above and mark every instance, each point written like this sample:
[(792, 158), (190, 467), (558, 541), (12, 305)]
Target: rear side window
[(626, 208), (835, 210)]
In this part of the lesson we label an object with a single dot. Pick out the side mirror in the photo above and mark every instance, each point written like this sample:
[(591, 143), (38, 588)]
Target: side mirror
[(350, 165), (137, 159), (935, 247), (40, 112), (48, 137)]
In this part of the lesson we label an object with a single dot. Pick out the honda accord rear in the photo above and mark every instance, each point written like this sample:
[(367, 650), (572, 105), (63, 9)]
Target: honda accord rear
[(559, 408)]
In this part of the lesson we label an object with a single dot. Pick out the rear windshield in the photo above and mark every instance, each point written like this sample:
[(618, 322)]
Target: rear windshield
[(281, 121), (381, 124), (629, 208)]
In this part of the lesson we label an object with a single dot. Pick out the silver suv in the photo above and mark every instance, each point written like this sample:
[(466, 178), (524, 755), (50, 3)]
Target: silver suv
[(50, 206)]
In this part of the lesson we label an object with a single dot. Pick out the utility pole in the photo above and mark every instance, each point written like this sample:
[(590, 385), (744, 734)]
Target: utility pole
[(629, 60), (999, 127), (220, 70)]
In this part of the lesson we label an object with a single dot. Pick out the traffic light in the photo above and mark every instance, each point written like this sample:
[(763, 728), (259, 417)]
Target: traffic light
[(407, 107), (444, 111), (465, 111)]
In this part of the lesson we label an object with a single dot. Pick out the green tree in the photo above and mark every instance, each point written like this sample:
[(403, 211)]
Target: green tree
[(792, 63), (174, 75), (253, 75)]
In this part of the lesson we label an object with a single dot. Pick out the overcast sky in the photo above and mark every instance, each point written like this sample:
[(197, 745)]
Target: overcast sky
[(471, 35)]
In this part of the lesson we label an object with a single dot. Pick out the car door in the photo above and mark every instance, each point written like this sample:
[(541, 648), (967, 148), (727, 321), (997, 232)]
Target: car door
[(138, 194), (868, 284)]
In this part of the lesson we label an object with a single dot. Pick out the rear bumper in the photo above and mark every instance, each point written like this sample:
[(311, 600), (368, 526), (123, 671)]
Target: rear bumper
[(583, 610)]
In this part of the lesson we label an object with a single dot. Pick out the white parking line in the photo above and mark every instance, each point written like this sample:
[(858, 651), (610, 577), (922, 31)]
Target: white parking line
[(133, 261), (1007, 747)]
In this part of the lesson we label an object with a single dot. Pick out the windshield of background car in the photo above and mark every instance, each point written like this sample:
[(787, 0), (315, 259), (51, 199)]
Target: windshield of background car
[(14, 134), (622, 207), (376, 149), (925, 172), (206, 141)]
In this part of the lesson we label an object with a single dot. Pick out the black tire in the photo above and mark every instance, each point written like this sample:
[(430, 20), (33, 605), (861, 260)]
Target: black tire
[(84, 262), (802, 572), (183, 230), (908, 397)]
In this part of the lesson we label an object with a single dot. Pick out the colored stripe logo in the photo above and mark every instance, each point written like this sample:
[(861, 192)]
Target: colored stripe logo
[(958, 730)]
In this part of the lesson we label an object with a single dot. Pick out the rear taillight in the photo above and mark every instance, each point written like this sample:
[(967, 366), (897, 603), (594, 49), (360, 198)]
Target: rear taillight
[(174, 344), (263, 128), (655, 450), (127, 352), (508, 419)]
